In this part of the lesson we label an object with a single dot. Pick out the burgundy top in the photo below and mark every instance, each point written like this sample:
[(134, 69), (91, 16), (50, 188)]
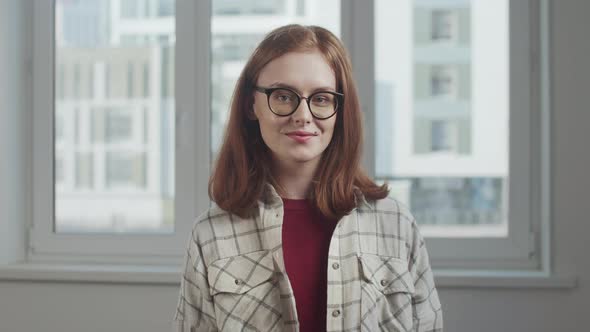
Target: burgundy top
[(306, 241)]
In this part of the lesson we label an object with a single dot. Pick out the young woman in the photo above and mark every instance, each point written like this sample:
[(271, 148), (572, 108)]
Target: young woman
[(300, 239)]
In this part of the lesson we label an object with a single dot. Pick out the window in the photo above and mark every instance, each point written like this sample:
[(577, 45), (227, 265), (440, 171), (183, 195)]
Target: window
[(132, 8), (113, 169), (124, 147), (118, 126), (84, 168), (125, 169), (249, 8), (443, 25), (444, 136), (166, 8), (117, 154), (465, 179), (443, 82)]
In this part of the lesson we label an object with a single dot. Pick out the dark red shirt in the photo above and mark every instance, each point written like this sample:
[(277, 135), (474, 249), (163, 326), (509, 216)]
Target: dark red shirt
[(306, 241)]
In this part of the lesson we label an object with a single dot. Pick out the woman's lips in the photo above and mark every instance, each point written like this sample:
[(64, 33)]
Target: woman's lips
[(300, 138)]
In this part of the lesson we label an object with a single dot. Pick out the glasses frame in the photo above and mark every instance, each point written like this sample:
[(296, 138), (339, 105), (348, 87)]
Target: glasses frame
[(269, 91)]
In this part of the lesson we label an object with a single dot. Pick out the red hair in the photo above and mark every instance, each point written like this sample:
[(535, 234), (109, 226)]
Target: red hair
[(243, 165)]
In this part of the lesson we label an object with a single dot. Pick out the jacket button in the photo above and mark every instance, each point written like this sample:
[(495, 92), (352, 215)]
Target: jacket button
[(383, 282), (238, 281), (336, 313), (335, 266)]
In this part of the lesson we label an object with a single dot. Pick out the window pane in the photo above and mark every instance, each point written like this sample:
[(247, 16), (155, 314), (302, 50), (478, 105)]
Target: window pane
[(114, 116), (249, 7), (237, 27), (441, 129)]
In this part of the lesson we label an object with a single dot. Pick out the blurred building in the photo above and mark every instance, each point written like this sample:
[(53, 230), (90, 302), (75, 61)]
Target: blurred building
[(114, 89), (441, 133), (442, 108)]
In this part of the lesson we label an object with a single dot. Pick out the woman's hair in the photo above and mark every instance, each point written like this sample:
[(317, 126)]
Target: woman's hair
[(243, 165)]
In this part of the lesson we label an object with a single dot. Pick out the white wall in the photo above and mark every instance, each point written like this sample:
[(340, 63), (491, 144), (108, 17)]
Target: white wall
[(34, 306)]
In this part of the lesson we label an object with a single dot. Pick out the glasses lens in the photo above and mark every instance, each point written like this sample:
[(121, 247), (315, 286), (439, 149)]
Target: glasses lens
[(283, 101), (323, 104)]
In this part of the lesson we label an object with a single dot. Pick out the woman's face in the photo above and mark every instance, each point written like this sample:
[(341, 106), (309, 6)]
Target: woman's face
[(299, 137)]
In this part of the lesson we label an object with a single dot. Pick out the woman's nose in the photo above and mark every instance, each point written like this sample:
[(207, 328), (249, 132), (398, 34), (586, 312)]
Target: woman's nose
[(302, 113)]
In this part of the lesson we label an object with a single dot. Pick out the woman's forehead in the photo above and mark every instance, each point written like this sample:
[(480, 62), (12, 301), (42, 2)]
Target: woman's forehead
[(299, 70)]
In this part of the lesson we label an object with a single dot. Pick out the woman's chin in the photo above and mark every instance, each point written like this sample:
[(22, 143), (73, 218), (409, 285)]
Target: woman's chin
[(299, 158)]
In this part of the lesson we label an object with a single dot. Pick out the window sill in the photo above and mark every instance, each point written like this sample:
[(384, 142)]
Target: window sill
[(170, 275), (502, 279), (91, 273)]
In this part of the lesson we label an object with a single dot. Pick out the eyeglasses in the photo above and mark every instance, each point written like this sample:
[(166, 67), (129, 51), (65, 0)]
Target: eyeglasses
[(284, 102)]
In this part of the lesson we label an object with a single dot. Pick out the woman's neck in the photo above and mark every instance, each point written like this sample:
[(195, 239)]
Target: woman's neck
[(294, 179)]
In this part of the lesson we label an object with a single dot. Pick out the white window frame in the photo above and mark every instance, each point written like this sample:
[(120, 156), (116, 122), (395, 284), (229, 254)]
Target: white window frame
[(526, 247), (192, 160), (527, 244)]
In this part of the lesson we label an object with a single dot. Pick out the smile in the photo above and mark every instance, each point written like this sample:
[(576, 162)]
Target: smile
[(300, 138)]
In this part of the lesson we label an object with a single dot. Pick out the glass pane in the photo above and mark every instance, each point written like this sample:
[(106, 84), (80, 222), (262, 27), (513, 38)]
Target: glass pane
[(114, 116), (441, 129), (237, 27)]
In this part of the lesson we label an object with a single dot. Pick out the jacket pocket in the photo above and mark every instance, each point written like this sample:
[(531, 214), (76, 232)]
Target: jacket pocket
[(387, 288), (245, 292)]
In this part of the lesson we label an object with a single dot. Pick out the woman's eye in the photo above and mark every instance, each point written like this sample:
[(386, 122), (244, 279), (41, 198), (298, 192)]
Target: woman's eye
[(284, 98), (321, 99)]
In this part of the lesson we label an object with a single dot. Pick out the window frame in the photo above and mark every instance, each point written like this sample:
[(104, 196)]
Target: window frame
[(527, 246), (192, 29), (529, 163)]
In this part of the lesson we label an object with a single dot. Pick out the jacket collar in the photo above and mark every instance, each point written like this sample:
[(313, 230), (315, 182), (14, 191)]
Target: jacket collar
[(271, 199)]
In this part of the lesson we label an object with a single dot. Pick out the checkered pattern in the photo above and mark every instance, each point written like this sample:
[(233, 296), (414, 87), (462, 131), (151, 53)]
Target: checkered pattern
[(234, 276)]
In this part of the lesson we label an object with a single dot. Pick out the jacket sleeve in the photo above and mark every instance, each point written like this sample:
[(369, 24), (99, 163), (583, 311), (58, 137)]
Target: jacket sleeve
[(194, 311), (427, 311)]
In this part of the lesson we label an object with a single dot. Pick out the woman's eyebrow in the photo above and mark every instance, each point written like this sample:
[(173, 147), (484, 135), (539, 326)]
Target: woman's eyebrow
[(284, 85)]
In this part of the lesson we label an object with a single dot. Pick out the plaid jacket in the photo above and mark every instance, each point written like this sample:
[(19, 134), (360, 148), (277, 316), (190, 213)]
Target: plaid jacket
[(379, 276)]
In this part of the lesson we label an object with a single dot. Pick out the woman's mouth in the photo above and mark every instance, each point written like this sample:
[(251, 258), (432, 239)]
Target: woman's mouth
[(300, 136)]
